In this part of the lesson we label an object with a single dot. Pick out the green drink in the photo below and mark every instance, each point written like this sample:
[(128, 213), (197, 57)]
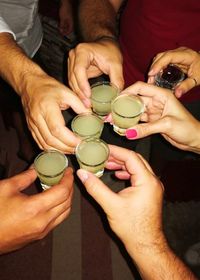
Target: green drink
[(87, 125), (126, 111), (92, 155), (102, 95), (50, 166)]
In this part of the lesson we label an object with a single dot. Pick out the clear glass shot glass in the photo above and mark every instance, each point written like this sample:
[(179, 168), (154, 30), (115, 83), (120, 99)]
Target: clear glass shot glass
[(169, 77), (126, 110), (50, 166), (102, 95), (87, 125), (92, 155)]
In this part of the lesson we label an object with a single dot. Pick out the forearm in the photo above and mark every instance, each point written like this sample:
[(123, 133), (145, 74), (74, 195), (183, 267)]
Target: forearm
[(97, 19), (157, 261), (15, 67)]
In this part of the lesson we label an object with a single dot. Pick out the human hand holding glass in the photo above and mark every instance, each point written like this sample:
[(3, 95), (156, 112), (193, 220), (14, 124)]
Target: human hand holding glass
[(187, 59), (135, 214), (90, 60), (165, 114), (43, 104), (26, 218), (132, 204)]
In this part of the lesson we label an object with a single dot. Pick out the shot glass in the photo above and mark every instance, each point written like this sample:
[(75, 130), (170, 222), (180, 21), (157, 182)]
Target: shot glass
[(102, 95), (87, 125), (92, 155), (169, 77), (126, 110), (50, 166)]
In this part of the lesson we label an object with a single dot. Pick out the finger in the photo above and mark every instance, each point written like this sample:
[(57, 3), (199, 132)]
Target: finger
[(54, 222), (80, 66), (145, 90), (52, 132), (116, 76), (98, 190), (113, 165), (133, 163), (77, 105), (73, 81), (175, 57), (57, 194), (122, 175), (145, 129), (21, 181), (185, 86)]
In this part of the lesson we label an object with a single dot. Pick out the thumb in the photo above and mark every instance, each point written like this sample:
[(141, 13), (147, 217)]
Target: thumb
[(145, 129), (23, 180), (77, 105), (98, 190)]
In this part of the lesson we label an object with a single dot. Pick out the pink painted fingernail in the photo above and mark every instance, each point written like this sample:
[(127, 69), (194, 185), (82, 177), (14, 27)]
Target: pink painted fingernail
[(131, 133)]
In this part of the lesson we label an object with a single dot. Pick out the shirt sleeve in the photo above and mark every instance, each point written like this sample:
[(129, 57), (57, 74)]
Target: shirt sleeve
[(4, 27)]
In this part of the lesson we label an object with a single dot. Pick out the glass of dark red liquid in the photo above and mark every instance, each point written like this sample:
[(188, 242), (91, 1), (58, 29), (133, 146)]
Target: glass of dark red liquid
[(169, 77)]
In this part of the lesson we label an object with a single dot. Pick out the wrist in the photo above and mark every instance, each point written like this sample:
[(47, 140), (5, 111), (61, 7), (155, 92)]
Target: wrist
[(112, 38)]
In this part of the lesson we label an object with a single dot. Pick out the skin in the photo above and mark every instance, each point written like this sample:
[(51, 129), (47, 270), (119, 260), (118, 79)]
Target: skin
[(166, 115), (95, 56), (42, 96), (66, 22), (90, 59), (135, 215), (26, 218), (187, 59)]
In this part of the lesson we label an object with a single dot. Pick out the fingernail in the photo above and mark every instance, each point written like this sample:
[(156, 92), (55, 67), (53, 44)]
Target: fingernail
[(131, 133), (83, 175)]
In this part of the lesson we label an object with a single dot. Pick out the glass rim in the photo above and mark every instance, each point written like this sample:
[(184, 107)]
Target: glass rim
[(46, 152), (133, 96), (100, 83), (87, 114), (105, 145)]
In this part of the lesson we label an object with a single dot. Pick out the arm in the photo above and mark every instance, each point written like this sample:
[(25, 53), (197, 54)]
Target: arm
[(187, 59), (66, 21), (135, 215), (166, 115), (25, 219), (97, 19), (101, 54), (42, 96)]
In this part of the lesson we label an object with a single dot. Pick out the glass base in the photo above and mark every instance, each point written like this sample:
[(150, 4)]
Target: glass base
[(120, 131), (99, 173), (100, 115), (45, 187)]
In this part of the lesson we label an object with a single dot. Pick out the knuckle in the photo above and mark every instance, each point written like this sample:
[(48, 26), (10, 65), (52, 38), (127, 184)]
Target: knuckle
[(39, 228)]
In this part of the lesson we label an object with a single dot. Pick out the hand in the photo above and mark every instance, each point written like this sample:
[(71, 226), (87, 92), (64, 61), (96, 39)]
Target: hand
[(166, 115), (89, 60), (43, 101), (28, 218), (187, 59), (66, 23), (134, 213)]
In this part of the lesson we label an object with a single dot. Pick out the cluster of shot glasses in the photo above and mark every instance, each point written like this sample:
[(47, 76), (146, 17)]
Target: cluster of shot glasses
[(92, 152)]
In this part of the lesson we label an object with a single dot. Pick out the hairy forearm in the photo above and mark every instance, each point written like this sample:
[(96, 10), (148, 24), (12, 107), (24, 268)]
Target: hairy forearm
[(97, 19), (157, 261), (15, 67)]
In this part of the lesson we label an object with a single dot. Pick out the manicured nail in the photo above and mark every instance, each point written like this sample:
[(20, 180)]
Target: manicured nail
[(131, 133), (83, 175)]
